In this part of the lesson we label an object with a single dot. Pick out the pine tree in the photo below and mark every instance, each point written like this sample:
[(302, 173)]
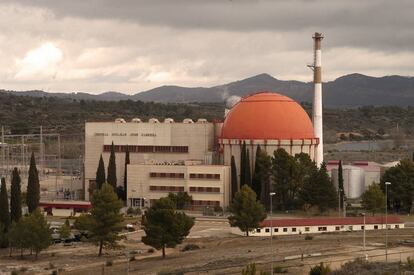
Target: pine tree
[(341, 184), (112, 168), (373, 199), (4, 206), (328, 196), (127, 161), (243, 156), (15, 197), (33, 187), (256, 180), (100, 174), (319, 190), (248, 170), (31, 232), (261, 177), (247, 212), (105, 221), (164, 226), (234, 185), (282, 172)]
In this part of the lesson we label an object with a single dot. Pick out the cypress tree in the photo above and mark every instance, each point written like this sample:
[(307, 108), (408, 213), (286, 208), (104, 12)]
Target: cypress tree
[(15, 197), (100, 174), (33, 187), (127, 161), (341, 183), (248, 171), (234, 185), (256, 180), (327, 194), (4, 206), (243, 165), (112, 168)]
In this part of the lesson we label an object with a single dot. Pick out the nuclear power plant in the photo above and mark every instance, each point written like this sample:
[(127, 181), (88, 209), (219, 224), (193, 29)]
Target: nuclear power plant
[(195, 156)]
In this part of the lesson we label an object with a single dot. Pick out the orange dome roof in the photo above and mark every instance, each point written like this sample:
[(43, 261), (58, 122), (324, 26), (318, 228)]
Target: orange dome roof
[(267, 115)]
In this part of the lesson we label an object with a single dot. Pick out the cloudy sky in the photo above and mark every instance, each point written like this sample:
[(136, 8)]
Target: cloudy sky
[(133, 45)]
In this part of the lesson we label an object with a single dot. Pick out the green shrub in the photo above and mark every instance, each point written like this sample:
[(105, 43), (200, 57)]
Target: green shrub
[(151, 250), (54, 272), (189, 247), (218, 209), (109, 263), (320, 269), (14, 272), (133, 211), (308, 237), (410, 264), (279, 269), (167, 272)]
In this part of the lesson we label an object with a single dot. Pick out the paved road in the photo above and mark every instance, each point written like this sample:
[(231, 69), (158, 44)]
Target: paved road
[(210, 228)]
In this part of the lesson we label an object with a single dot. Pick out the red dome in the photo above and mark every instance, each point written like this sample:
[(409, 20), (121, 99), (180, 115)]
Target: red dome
[(267, 115)]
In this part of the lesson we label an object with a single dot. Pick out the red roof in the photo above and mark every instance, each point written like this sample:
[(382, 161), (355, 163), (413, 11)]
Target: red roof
[(66, 205), (331, 221), (267, 115)]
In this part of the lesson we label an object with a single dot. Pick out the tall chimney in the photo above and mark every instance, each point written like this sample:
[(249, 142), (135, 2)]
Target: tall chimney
[(317, 97)]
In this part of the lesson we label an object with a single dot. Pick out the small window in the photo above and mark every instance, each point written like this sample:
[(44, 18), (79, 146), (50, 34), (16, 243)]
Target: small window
[(284, 229), (307, 229), (362, 227), (397, 226), (267, 230), (337, 228), (258, 230), (293, 229), (350, 227), (375, 226), (276, 230)]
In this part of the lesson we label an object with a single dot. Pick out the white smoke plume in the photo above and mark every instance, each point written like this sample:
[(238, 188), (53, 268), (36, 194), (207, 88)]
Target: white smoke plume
[(231, 101)]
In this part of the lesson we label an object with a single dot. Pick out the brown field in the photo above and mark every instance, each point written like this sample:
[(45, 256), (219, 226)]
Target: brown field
[(219, 253)]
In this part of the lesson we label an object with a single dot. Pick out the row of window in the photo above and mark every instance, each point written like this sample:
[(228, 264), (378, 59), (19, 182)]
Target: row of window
[(167, 175), (320, 228), (166, 188), (181, 189), (205, 189), (147, 149), (196, 203), (181, 176), (204, 176)]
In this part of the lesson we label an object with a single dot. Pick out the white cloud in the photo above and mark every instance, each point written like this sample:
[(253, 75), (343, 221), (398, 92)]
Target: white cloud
[(40, 63), (77, 49)]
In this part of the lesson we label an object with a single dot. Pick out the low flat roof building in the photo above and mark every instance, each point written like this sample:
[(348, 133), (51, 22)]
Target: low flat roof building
[(321, 225)]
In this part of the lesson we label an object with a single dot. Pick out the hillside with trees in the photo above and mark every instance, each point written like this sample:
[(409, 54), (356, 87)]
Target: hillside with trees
[(24, 115)]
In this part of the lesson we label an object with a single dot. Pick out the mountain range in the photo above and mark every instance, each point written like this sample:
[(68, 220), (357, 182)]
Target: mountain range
[(346, 91)]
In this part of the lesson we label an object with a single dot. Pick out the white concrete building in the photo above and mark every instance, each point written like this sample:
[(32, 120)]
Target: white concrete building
[(207, 184), (156, 147), (321, 225)]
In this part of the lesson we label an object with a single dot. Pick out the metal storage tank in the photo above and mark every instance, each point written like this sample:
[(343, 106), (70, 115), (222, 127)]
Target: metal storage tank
[(354, 180)]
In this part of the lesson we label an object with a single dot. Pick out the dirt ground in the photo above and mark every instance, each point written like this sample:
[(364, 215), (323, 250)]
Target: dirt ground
[(220, 253)]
